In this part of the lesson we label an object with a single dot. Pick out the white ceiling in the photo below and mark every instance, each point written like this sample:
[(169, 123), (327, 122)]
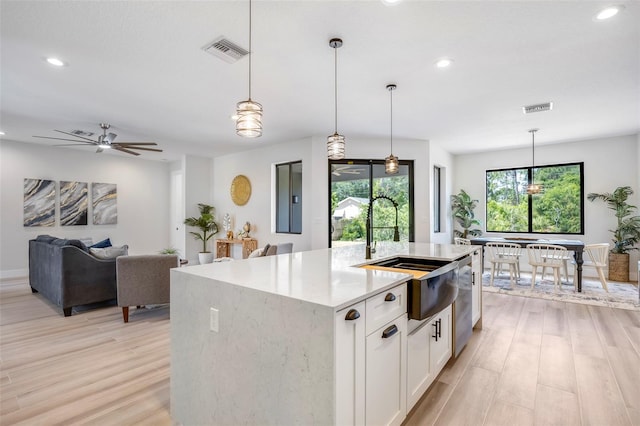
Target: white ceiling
[(139, 66)]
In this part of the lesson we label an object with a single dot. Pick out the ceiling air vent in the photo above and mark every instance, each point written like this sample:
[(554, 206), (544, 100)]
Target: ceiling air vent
[(226, 50), (528, 109), (82, 133)]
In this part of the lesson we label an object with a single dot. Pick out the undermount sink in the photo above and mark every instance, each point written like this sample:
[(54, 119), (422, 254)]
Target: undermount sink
[(434, 285)]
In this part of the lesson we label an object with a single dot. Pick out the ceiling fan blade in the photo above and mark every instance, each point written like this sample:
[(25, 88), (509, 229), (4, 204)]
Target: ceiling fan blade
[(74, 144), (76, 136), (119, 148), (136, 147), (64, 139), (99, 150), (135, 143)]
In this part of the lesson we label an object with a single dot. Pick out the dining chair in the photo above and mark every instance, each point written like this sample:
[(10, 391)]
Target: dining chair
[(504, 254), (597, 257), (459, 241), (546, 255), (567, 257)]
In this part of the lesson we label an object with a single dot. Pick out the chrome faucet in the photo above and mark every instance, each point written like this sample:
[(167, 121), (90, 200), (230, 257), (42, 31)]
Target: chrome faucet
[(396, 234)]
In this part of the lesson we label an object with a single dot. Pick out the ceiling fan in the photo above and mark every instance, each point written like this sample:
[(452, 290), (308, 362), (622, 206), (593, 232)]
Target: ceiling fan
[(347, 170), (105, 141)]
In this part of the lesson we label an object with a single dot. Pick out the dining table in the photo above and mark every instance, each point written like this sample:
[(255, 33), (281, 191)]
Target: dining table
[(576, 246)]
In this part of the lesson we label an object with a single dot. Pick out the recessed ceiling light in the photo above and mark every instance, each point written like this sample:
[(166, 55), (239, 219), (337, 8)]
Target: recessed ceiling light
[(444, 62), (391, 2), (608, 12), (55, 62), (1, 133)]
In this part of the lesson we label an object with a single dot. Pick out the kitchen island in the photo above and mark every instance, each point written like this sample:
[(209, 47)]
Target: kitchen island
[(257, 341)]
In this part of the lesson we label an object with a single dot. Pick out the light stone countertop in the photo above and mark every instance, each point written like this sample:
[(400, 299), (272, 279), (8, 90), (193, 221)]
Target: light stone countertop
[(327, 277)]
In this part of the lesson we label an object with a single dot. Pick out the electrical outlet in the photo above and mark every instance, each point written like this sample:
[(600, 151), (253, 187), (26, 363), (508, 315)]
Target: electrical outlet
[(213, 319)]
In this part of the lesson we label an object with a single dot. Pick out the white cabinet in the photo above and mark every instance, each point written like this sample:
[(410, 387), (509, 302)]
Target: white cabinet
[(350, 365), (428, 350), (476, 287), (370, 361), (386, 374)]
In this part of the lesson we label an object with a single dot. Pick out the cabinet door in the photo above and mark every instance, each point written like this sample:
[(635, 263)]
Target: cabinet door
[(350, 365), (419, 374), (386, 375), (440, 344), (476, 286)]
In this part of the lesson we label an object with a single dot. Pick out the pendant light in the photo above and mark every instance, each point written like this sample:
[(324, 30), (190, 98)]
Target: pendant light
[(391, 162), (533, 188), (335, 142), (249, 121)]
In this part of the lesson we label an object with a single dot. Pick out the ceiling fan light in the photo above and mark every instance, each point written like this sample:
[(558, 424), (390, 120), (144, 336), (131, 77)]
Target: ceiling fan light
[(391, 165), (335, 147), (249, 122)]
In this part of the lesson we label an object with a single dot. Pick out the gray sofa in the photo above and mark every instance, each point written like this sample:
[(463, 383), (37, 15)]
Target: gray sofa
[(65, 273)]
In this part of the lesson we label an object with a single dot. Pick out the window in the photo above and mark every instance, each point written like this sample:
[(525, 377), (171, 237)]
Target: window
[(437, 199), (289, 198), (352, 183), (558, 209)]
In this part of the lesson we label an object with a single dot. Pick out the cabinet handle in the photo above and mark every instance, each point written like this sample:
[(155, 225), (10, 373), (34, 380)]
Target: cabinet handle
[(438, 329), (352, 315), (390, 297), (473, 278), (389, 331)]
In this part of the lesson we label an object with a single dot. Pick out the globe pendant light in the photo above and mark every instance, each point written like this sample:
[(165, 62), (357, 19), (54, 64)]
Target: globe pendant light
[(335, 142), (249, 121), (391, 162), (533, 188)]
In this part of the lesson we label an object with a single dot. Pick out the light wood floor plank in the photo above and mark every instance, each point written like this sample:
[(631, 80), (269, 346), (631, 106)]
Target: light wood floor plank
[(520, 375), (504, 414), (471, 399), (492, 353), (584, 337), (600, 400), (556, 364), (556, 407)]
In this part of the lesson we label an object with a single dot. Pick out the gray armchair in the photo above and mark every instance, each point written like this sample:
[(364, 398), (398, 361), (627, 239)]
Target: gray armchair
[(143, 280)]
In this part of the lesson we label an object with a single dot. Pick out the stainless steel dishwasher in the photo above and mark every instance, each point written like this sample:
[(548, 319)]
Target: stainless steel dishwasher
[(463, 324)]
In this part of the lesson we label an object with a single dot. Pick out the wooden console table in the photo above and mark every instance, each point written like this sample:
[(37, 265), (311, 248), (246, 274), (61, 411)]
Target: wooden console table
[(223, 246)]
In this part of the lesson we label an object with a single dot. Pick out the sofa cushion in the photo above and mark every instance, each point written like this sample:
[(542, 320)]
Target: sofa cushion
[(64, 242), (110, 252), (265, 249), (45, 238), (102, 244)]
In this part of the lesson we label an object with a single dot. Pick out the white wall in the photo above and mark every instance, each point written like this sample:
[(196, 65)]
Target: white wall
[(441, 158), (608, 163), (143, 199), (197, 189), (258, 164)]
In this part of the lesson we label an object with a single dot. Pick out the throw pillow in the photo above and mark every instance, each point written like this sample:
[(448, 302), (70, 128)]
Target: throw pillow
[(265, 250), (102, 244), (110, 252)]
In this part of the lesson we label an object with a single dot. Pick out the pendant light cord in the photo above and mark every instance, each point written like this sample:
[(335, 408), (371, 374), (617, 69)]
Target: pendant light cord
[(335, 80), (391, 93), (250, 50)]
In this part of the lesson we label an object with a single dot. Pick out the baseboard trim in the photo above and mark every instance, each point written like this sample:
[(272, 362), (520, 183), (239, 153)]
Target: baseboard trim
[(12, 275)]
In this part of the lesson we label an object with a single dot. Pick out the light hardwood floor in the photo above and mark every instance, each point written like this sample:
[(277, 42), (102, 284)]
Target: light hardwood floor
[(535, 362)]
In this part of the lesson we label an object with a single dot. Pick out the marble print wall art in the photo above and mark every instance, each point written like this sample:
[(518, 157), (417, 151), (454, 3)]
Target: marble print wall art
[(104, 198), (39, 202), (74, 203)]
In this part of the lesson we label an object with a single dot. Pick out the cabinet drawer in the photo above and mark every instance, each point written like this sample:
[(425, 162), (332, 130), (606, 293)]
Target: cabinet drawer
[(386, 306)]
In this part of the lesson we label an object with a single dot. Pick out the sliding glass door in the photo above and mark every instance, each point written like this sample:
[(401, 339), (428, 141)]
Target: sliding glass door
[(352, 183)]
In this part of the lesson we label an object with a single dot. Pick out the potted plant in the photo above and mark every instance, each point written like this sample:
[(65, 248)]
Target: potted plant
[(208, 228), (462, 206), (627, 233)]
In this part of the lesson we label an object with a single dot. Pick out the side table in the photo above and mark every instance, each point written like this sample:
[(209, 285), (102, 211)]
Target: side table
[(223, 246)]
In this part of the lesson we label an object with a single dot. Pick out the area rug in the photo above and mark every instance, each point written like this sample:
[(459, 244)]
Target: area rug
[(621, 295)]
